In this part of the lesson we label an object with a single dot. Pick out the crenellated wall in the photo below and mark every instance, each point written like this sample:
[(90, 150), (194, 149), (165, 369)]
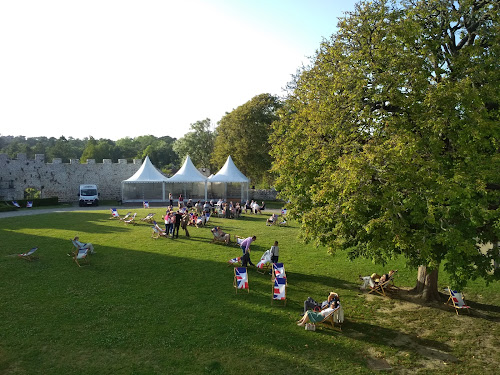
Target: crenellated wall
[(62, 179)]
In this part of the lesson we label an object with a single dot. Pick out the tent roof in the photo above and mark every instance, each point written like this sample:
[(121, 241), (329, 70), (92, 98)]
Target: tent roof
[(147, 173), (229, 173), (188, 173)]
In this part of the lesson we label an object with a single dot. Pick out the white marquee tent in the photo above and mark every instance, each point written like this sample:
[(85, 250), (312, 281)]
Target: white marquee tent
[(146, 184), (188, 181), (229, 182)]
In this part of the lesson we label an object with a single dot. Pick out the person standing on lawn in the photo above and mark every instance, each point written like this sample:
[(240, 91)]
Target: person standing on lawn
[(245, 244)]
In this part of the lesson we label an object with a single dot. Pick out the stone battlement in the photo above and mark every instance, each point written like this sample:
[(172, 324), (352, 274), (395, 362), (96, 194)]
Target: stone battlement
[(58, 179)]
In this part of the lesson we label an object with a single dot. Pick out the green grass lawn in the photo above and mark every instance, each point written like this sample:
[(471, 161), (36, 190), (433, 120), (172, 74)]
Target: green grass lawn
[(166, 306)]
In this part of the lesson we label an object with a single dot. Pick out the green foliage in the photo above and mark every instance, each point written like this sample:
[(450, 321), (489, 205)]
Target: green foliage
[(32, 193), (244, 134), (388, 143), (198, 144), (159, 149)]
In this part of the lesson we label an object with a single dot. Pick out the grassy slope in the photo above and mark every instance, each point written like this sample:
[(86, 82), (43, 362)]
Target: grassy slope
[(148, 306)]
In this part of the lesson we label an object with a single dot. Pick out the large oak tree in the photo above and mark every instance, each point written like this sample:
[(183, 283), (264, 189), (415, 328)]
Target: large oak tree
[(388, 143)]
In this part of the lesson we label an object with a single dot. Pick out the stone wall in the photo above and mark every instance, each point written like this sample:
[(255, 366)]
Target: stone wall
[(262, 195), (62, 180)]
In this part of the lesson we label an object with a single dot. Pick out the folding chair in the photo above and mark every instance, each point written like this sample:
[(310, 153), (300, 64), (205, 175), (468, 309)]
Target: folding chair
[(157, 232), (278, 271), (29, 254), (241, 279), (457, 300), (380, 288), (282, 221), (114, 214), (220, 211), (335, 317), (29, 204), (145, 204), (148, 218), (279, 290), (234, 261), (131, 220), (126, 217), (16, 204), (81, 256), (264, 262)]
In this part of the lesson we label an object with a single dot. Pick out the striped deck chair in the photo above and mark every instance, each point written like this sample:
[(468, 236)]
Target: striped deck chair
[(29, 254), (234, 261), (114, 214), (29, 204), (126, 217), (264, 262), (14, 203), (336, 317), (278, 271), (148, 218), (131, 220), (145, 204), (81, 256), (381, 287), (279, 290), (241, 279), (157, 231), (282, 221), (457, 300)]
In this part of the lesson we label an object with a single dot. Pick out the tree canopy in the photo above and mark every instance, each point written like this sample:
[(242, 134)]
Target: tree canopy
[(388, 143), (244, 134), (198, 144)]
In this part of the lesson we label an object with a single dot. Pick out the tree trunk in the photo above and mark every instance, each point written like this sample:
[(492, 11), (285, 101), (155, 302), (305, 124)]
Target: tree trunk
[(427, 286)]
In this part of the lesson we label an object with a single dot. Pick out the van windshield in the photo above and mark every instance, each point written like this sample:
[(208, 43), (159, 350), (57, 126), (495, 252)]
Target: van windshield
[(88, 192)]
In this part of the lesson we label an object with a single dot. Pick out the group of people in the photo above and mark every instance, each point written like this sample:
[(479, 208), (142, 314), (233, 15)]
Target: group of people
[(254, 207)]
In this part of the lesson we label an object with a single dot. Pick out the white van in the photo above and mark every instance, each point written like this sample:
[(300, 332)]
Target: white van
[(88, 196)]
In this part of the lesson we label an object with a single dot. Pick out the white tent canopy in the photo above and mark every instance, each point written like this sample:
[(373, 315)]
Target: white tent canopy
[(146, 184), (223, 183), (188, 181), (147, 173)]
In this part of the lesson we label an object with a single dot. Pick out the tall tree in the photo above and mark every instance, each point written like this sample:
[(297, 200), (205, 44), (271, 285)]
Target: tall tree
[(197, 143), (244, 134), (388, 144), (90, 151)]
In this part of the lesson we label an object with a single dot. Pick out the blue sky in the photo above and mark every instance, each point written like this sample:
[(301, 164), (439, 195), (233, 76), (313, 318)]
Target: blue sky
[(111, 69)]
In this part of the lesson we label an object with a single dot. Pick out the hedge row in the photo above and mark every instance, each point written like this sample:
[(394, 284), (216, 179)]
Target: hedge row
[(7, 206)]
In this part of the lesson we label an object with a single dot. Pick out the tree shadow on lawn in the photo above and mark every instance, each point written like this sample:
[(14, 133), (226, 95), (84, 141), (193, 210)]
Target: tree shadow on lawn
[(150, 285), (71, 221), (377, 336), (478, 310), (129, 298)]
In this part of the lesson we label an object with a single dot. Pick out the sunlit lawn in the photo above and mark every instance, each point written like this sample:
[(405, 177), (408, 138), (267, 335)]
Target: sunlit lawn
[(166, 306)]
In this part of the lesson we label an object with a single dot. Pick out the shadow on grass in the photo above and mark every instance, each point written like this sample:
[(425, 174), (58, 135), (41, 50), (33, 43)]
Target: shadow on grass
[(478, 310)]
